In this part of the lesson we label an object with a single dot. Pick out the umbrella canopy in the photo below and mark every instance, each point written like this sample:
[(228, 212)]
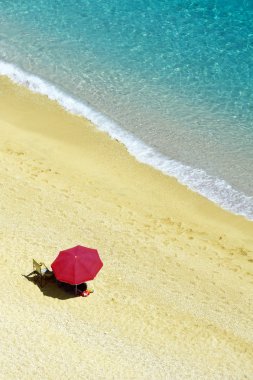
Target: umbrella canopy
[(77, 265)]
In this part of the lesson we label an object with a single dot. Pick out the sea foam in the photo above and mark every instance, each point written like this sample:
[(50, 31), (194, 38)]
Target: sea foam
[(215, 189)]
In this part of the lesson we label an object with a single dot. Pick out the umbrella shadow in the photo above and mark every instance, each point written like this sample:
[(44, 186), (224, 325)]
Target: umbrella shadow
[(53, 289)]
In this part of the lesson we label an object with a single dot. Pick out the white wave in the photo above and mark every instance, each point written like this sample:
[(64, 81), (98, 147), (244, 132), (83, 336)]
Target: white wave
[(197, 180)]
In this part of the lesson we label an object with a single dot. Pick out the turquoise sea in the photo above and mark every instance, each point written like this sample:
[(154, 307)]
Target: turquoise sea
[(171, 79)]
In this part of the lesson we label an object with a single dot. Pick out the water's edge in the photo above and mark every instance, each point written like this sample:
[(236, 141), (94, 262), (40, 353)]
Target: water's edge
[(215, 189)]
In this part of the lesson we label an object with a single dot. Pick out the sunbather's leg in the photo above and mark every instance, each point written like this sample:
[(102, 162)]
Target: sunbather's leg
[(33, 272)]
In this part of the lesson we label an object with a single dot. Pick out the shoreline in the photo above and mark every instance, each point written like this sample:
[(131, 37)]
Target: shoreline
[(173, 298), (196, 180)]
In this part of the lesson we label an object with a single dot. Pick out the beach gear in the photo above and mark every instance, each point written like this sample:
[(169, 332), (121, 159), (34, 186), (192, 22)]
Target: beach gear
[(41, 271), (86, 293), (77, 265)]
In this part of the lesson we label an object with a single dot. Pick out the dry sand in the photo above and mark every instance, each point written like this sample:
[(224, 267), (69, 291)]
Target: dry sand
[(174, 298)]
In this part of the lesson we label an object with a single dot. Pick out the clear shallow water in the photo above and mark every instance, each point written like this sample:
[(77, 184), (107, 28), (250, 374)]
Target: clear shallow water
[(173, 79)]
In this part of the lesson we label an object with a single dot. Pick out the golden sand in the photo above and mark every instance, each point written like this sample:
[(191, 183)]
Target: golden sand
[(174, 298)]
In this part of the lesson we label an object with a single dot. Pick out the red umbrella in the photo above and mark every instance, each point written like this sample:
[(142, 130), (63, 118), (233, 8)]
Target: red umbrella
[(77, 265)]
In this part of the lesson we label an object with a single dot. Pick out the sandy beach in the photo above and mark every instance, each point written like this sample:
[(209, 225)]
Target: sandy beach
[(174, 298)]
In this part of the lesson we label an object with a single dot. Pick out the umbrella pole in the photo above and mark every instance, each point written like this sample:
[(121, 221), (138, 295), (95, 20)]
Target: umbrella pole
[(76, 290)]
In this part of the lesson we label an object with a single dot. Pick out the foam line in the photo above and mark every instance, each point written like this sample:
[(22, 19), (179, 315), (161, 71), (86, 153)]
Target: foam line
[(197, 180)]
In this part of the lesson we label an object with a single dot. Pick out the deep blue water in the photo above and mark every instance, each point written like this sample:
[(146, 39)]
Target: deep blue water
[(177, 75)]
